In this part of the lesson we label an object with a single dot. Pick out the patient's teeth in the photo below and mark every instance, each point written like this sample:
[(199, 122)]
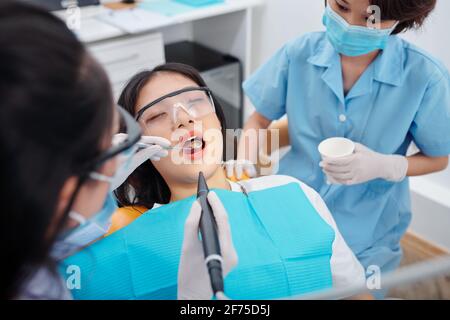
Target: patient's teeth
[(197, 144), (193, 143)]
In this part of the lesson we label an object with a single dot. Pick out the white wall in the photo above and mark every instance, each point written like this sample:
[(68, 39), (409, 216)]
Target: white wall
[(281, 20), (278, 21), (435, 35)]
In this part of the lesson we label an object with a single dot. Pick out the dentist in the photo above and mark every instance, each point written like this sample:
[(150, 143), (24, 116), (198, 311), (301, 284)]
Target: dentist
[(61, 159)]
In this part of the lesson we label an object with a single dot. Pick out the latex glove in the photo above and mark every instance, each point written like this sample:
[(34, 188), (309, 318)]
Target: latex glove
[(193, 277), (155, 151), (365, 165), (236, 169)]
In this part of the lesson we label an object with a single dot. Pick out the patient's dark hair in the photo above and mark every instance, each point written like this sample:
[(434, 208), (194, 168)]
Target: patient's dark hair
[(411, 13), (55, 111), (146, 186)]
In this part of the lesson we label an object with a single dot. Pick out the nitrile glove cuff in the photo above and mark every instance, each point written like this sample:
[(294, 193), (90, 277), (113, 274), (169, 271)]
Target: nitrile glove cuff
[(395, 168)]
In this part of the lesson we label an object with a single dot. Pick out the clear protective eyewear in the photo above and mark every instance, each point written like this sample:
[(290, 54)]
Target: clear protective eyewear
[(123, 149), (196, 102)]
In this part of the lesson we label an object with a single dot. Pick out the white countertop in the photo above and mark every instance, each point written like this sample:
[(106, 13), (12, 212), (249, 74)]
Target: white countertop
[(93, 29)]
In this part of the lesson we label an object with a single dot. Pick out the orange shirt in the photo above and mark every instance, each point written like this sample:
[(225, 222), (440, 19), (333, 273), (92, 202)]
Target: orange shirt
[(123, 217)]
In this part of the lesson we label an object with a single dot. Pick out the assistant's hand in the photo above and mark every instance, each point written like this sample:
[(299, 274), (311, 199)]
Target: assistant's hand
[(237, 168), (363, 166), (193, 277), (155, 151)]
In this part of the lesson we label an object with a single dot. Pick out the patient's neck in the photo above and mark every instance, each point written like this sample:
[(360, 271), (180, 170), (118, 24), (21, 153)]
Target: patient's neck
[(181, 191)]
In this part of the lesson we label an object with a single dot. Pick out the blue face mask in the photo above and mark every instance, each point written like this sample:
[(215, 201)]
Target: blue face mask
[(89, 230), (352, 40)]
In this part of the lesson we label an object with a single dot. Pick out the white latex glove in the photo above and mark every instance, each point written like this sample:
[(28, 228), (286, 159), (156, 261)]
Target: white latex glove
[(235, 168), (193, 277), (155, 151), (365, 165)]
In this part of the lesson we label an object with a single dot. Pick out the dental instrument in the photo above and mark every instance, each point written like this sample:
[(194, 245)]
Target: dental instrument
[(197, 144), (210, 239)]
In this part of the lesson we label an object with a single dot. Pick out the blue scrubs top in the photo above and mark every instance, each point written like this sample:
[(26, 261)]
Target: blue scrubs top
[(403, 96)]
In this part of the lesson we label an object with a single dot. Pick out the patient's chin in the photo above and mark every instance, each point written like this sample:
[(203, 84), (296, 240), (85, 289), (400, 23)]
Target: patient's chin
[(181, 167), (188, 173)]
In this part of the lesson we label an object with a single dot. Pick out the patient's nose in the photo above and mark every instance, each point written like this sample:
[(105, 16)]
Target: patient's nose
[(182, 118)]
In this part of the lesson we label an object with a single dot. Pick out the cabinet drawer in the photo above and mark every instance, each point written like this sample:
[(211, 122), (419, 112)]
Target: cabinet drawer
[(125, 72), (123, 58), (134, 49), (122, 76)]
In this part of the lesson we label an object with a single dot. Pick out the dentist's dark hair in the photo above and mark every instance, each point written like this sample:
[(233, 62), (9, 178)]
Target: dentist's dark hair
[(146, 186), (56, 109)]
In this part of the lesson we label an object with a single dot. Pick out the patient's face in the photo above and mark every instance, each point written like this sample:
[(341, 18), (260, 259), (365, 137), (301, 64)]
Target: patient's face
[(198, 141)]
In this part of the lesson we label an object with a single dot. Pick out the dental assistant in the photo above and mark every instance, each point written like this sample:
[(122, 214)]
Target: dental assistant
[(361, 81), (61, 159)]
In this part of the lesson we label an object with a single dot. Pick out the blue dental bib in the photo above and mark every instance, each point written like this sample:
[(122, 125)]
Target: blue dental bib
[(284, 248)]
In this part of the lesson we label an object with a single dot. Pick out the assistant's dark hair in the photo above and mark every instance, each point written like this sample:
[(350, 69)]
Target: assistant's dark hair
[(146, 186), (411, 13), (55, 111)]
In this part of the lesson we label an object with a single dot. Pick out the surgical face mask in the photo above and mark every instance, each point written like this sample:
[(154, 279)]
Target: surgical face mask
[(352, 40), (123, 162), (123, 148), (88, 230)]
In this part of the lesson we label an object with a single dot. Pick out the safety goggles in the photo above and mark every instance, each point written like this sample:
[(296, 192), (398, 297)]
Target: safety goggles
[(196, 102), (123, 149)]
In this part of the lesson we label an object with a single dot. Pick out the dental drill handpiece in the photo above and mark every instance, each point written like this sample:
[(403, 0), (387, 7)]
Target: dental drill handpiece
[(210, 239)]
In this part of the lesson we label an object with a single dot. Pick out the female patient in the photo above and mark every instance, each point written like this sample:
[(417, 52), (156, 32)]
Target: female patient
[(285, 237)]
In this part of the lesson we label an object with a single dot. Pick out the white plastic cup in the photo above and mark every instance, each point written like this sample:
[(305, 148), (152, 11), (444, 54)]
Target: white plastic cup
[(336, 148)]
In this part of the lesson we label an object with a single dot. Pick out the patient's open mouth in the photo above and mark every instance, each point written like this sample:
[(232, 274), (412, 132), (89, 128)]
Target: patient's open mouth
[(193, 145)]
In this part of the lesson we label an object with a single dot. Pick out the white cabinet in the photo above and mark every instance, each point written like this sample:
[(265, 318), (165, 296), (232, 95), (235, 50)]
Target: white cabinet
[(225, 27), (124, 57)]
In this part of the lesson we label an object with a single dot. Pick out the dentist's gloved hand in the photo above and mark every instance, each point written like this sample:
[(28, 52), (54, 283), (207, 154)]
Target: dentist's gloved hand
[(193, 277), (363, 166), (237, 168), (155, 151)]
